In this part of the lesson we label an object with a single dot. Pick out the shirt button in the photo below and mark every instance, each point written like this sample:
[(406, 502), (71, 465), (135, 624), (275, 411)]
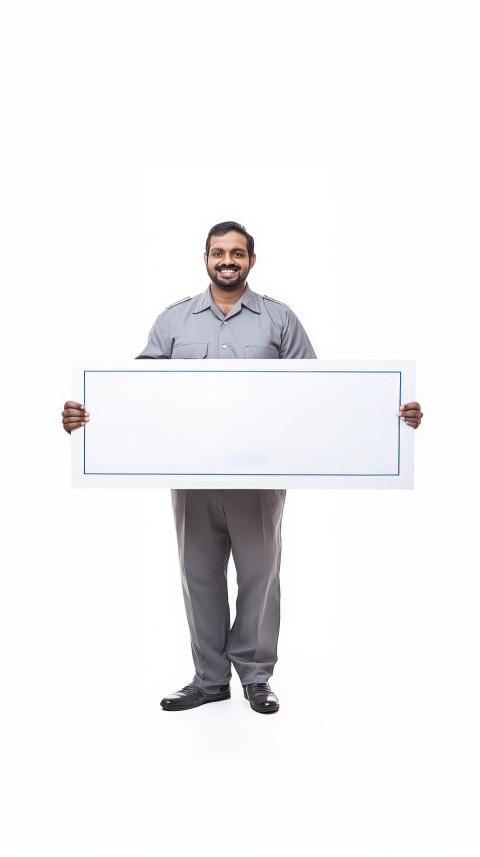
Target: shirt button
[(224, 346), (225, 322)]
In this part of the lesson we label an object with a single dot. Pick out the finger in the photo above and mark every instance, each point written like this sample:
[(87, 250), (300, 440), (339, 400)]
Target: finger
[(70, 421), (74, 425), (411, 415), (77, 418), (74, 405), (410, 405), (411, 421), (75, 412), (69, 424)]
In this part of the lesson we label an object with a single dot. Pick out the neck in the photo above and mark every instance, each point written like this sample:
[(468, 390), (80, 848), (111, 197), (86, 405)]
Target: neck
[(224, 297)]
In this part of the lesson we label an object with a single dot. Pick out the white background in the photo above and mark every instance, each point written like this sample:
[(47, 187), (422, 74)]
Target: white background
[(344, 135)]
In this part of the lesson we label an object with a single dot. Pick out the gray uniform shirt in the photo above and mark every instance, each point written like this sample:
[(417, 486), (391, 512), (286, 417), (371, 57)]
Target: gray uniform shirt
[(257, 326)]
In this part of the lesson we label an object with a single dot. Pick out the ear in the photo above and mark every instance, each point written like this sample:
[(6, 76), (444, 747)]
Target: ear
[(205, 258), (253, 260)]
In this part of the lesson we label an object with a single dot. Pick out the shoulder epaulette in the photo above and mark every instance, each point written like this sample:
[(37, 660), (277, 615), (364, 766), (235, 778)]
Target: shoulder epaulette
[(275, 301), (179, 302)]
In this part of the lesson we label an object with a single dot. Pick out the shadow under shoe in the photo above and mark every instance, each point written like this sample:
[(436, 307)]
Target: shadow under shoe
[(191, 696), (261, 698)]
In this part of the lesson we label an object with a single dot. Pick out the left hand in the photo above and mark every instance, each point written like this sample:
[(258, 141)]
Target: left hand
[(411, 414)]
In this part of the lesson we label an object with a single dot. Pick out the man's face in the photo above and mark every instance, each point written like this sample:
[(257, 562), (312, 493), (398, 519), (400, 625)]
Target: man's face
[(228, 263)]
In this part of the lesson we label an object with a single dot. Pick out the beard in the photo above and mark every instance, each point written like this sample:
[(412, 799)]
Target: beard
[(233, 283)]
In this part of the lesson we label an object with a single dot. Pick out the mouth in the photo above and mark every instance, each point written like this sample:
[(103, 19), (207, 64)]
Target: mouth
[(228, 272)]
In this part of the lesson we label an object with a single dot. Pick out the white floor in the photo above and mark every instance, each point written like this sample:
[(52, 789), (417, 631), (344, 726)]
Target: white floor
[(374, 749)]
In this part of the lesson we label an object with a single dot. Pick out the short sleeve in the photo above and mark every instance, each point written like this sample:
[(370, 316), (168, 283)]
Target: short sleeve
[(157, 347), (295, 342)]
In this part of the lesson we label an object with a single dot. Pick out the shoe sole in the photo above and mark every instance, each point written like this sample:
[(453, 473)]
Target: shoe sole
[(261, 710), (213, 698)]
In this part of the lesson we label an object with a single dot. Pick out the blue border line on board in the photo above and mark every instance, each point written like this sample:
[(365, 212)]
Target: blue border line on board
[(257, 371), (273, 475), (247, 371), (84, 436), (399, 404)]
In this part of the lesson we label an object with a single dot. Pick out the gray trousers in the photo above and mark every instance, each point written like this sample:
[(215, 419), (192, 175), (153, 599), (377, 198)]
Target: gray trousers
[(210, 524)]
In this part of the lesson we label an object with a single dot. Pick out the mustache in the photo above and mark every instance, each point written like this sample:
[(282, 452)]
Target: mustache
[(227, 268)]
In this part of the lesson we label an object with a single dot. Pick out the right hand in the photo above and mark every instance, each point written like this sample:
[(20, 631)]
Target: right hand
[(74, 415)]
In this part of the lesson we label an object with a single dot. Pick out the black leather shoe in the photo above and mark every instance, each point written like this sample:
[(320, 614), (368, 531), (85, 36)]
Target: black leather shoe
[(261, 698), (191, 696)]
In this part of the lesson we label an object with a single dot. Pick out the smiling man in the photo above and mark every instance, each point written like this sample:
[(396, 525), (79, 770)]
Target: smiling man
[(229, 263), (228, 320)]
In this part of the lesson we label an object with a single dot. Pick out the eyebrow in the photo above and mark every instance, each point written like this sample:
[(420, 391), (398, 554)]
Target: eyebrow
[(234, 250)]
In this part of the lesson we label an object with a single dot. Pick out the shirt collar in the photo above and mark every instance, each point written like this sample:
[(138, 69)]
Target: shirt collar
[(248, 299)]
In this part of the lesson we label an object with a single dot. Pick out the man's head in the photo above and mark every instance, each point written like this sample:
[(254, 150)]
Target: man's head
[(229, 254)]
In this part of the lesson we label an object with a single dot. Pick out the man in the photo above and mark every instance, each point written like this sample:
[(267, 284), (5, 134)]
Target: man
[(228, 321)]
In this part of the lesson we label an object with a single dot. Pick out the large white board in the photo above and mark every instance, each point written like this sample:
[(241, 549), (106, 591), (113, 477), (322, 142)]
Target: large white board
[(243, 424)]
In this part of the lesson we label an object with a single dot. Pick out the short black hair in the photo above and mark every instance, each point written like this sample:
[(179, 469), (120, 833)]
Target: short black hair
[(230, 226)]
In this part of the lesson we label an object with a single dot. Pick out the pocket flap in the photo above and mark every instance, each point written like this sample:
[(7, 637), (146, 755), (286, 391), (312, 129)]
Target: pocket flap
[(267, 352), (190, 350)]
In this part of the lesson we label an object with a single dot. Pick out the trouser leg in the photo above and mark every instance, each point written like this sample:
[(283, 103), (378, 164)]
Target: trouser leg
[(254, 520), (204, 550)]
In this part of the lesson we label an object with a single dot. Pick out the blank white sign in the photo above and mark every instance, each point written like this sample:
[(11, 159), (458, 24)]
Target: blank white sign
[(243, 424)]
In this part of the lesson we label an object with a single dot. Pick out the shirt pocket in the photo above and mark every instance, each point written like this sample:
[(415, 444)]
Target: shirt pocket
[(190, 350), (264, 352)]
